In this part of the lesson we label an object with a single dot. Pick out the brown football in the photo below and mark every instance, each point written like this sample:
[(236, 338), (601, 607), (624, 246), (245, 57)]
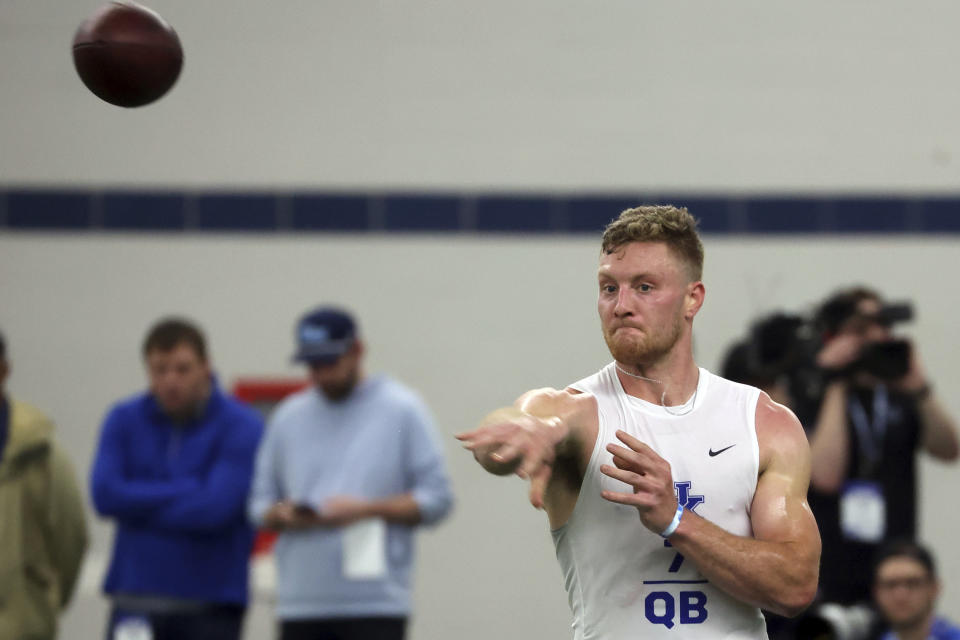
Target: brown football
[(127, 55)]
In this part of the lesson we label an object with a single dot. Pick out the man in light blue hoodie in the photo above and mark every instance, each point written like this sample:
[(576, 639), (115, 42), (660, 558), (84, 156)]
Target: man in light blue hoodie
[(347, 470)]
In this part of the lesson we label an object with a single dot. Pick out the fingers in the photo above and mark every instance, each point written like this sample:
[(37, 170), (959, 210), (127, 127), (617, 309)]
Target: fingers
[(639, 456), (623, 463), (627, 459), (635, 480), (506, 453), (507, 441), (499, 433), (468, 435), (634, 443), (284, 510), (522, 445), (640, 500), (538, 486), (482, 438), (535, 457), (628, 499), (647, 490)]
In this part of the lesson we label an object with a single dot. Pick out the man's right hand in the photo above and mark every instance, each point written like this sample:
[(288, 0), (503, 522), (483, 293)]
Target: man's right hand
[(512, 441), (286, 516), (840, 351)]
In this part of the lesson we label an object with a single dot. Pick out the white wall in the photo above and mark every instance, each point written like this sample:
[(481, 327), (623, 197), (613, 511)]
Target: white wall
[(471, 323), (743, 95)]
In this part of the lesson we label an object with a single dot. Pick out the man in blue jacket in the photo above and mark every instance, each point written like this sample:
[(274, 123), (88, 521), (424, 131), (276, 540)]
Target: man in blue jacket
[(173, 468), (347, 470)]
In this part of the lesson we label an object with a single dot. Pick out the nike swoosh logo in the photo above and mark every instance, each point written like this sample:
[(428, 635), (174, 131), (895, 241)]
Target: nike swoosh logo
[(719, 451)]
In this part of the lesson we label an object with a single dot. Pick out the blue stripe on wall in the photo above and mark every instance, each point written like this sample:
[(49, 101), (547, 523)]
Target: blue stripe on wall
[(875, 215), (234, 212), (514, 214), (325, 212), (784, 215), (592, 214), (178, 211), (421, 213), (940, 215), (50, 210), (144, 212)]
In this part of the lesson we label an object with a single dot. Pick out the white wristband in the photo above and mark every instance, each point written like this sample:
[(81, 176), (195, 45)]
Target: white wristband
[(673, 523)]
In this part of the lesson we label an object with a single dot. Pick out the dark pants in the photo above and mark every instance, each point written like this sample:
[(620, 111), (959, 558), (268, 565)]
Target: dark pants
[(344, 629), (213, 623)]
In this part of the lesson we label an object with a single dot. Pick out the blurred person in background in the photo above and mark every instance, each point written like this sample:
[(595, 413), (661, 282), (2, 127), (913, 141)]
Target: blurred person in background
[(739, 366), (905, 590), (43, 531), (346, 472), (777, 356), (752, 361), (173, 469), (877, 410)]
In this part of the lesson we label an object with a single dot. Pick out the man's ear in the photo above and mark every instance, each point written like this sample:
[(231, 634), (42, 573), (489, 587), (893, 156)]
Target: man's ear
[(359, 348), (694, 299)]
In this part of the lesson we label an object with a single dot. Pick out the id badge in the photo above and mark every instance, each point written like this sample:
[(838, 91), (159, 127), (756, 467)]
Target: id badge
[(863, 511), (133, 628)]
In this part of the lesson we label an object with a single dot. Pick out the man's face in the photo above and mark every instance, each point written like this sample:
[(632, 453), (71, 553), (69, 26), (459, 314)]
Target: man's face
[(643, 301), (179, 379), (904, 591), (337, 380)]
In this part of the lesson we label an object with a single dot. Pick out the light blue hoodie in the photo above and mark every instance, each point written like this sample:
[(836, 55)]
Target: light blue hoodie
[(378, 442)]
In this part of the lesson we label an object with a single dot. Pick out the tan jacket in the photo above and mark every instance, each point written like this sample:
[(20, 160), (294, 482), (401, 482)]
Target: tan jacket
[(43, 532)]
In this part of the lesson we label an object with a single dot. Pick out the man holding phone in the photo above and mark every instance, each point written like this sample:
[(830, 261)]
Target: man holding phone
[(348, 468)]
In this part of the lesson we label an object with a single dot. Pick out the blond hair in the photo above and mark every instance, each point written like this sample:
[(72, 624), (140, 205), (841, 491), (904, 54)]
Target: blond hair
[(674, 226)]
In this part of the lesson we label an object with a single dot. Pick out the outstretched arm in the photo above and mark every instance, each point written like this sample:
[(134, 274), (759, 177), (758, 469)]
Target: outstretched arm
[(777, 568), (527, 437)]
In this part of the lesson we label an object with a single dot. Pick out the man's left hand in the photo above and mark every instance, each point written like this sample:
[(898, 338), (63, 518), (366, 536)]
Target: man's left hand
[(340, 511), (915, 379), (651, 478)]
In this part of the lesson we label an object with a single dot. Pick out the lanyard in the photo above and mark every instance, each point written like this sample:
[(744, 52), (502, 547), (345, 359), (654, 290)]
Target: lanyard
[(870, 433)]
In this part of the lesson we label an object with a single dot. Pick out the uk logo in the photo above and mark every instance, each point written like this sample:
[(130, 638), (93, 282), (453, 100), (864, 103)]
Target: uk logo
[(689, 500)]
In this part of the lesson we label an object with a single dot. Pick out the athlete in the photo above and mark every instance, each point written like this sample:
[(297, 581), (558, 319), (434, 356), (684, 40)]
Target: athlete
[(716, 471)]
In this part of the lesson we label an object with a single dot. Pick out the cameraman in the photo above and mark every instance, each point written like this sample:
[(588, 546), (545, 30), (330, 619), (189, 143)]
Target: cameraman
[(878, 408)]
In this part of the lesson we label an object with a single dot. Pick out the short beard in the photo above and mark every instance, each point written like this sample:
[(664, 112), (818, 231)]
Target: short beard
[(339, 391), (647, 349)]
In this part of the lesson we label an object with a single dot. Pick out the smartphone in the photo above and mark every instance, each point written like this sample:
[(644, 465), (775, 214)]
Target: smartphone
[(304, 509)]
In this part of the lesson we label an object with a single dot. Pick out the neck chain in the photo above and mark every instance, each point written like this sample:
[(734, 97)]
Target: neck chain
[(692, 402)]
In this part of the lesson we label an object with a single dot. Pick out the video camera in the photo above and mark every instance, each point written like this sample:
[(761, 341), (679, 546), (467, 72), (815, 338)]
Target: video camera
[(785, 346), (887, 360)]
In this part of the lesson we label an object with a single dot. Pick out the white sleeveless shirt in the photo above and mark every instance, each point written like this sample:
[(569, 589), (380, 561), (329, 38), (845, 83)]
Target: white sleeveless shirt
[(622, 580)]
